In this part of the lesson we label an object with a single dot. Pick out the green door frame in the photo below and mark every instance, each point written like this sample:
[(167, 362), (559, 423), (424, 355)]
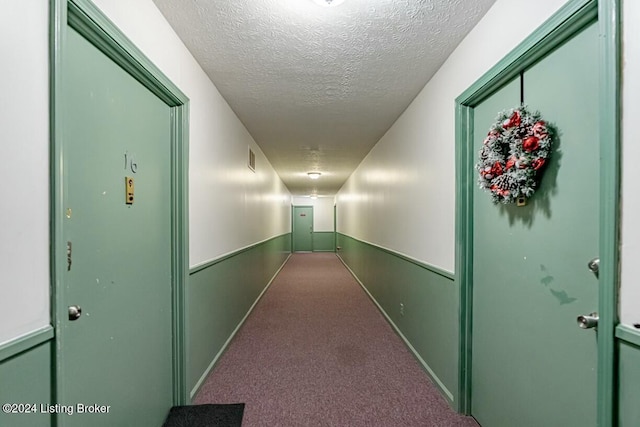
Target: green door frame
[(567, 21), (91, 23), (335, 227)]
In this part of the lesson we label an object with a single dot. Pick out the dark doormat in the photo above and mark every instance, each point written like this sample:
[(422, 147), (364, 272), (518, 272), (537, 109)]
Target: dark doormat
[(206, 416)]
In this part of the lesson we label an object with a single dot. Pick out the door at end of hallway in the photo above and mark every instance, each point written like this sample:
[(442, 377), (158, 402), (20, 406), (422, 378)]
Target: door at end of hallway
[(302, 229)]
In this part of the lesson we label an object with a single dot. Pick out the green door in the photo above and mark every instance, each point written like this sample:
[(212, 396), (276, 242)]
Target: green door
[(118, 353), (532, 365), (303, 228)]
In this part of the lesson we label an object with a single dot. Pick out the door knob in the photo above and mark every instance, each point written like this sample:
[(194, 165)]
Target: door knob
[(588, 321), (74, 312)]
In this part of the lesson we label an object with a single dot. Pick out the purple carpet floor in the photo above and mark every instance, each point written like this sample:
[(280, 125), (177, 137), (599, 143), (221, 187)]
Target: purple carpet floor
[(316, 351)]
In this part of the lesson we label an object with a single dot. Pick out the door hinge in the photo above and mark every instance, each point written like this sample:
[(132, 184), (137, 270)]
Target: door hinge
[(68, 256)]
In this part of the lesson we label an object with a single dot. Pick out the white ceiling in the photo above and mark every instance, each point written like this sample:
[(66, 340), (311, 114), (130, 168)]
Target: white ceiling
[(316, 86)]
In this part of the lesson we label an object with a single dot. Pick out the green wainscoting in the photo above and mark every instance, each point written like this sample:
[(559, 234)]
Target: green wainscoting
[(26, 378), (324, 241), (219, 296), (427, 319), (628, 376)]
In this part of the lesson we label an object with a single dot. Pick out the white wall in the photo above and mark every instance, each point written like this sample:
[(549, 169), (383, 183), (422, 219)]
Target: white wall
[(630, 274), (322, 211), (230, 206), (24, 176), (402, 196)]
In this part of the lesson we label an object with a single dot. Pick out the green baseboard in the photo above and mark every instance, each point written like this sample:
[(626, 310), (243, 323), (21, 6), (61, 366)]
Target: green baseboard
[(419, 301), (219, 296), (324, 241), (26, 378), (213, 363), (26, 342), (628, 334), (628, 347)]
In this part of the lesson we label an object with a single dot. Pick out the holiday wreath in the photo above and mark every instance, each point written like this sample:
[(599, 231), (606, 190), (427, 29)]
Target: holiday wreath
[(514, 154)]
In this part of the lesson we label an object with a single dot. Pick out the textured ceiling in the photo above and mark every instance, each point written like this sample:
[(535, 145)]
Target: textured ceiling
[(315, 86)]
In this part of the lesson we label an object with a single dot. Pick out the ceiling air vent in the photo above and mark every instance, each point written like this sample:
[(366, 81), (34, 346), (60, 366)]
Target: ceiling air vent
[(252, 160)]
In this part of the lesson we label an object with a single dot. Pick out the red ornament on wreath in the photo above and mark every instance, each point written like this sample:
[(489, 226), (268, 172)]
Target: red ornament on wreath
[(514, 154)]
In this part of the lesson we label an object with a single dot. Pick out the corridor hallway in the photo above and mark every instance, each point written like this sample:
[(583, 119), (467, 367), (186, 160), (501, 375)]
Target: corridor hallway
[(315, 351)]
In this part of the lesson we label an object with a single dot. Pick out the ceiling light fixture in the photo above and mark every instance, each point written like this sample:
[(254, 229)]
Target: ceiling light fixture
[(314, 175), (327, 3)]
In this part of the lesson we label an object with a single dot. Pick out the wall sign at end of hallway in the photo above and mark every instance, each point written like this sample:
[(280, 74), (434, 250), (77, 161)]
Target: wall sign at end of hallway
[(128, 184), (303, 214)]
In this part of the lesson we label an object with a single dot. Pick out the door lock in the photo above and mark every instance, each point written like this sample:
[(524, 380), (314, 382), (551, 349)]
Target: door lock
[(588, 321), (75, 312), (594, 266)]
